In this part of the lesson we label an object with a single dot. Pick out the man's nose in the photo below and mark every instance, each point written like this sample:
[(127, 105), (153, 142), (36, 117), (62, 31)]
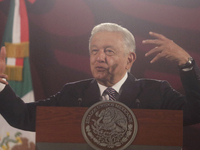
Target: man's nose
[(101, 56)]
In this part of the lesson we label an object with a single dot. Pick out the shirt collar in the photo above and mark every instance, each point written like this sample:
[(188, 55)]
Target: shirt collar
[(117, 86)]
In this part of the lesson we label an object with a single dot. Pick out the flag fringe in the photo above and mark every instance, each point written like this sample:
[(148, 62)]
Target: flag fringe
[(17, 50), (14, 72)]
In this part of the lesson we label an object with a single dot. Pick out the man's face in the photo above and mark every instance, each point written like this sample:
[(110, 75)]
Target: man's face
[(108, 59)]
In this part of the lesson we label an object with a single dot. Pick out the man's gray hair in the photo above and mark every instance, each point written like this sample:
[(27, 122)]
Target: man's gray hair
[(129, 40)]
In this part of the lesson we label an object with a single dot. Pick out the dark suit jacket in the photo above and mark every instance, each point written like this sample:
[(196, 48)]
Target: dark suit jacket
[(136, 93)]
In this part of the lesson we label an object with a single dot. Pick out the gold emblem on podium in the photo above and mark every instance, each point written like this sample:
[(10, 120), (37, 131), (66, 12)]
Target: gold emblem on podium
[(109, 125)]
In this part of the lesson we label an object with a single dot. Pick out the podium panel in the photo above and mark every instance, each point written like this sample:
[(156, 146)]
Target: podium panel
[(61, 127)]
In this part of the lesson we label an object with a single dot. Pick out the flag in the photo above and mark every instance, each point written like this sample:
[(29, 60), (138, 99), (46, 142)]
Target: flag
[(16, 41)]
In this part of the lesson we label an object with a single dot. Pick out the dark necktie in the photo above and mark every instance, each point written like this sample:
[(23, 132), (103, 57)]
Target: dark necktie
[(111, 93)]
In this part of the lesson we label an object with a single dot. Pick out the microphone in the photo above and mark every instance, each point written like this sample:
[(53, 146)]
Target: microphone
[(137, 101), (80, 101)]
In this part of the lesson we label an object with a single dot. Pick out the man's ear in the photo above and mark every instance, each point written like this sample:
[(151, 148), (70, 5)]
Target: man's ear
[(131, 59)]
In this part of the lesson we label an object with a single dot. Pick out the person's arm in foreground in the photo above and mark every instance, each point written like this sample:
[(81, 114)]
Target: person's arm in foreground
[(190, 77)]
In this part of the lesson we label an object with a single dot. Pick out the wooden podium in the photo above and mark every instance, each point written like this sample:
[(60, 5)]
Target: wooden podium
[(59, 128)]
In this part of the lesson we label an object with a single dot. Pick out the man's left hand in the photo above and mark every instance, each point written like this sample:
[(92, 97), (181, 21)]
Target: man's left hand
[(166, 48)]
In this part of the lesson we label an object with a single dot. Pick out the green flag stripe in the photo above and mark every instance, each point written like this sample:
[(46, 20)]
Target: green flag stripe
[(23, 87), (9, 25)]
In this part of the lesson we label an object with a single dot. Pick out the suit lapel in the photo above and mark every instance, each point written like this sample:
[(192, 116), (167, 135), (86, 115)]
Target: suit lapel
[(130, 91), (91, 94)]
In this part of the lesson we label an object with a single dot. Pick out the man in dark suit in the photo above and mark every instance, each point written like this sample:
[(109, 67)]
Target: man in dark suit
[(112, 53)]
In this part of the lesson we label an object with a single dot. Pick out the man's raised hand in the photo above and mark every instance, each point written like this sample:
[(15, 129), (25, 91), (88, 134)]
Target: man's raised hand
[(3, 66), (166, 48)]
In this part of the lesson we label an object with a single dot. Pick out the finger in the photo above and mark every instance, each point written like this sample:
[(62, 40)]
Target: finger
[(2, 80), (157, 35), (2, 59), (154, 50), (157, 57), (3, 76), (3, 53), (153, 41)]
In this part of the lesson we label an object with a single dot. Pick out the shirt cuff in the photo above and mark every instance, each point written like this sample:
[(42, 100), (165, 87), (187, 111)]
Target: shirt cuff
[(2, 86), (187, 69)]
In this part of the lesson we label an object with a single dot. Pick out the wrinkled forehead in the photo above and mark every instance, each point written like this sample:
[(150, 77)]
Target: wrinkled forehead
[(106, 35)]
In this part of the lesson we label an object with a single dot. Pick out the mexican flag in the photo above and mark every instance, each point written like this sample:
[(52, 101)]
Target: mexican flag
[(16, 41)]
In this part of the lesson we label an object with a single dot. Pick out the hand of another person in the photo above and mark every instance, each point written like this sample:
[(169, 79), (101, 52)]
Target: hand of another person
[(3, 66), (166, 48)]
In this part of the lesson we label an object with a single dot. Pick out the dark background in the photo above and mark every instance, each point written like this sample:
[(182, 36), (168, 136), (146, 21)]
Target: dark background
[(60, 30)]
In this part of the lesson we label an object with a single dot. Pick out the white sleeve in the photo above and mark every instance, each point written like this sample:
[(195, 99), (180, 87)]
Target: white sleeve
[(2, 86), (187, 69)]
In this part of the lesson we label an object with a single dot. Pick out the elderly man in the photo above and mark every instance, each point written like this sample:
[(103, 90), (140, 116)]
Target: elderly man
[(112, 53)]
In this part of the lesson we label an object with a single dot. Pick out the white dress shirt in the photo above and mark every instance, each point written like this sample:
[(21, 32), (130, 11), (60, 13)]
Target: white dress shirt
[(117, 88)]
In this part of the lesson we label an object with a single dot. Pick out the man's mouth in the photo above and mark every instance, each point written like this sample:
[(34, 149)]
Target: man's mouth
[(99, 68)]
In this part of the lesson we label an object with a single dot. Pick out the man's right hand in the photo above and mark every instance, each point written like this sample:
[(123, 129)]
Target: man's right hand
[(3, 66)]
